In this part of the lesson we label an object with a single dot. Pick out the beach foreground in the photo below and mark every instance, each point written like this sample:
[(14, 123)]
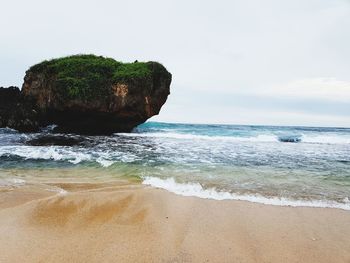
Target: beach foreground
[(129, 222)]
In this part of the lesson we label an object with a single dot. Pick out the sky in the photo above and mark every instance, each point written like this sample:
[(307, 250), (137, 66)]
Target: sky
[(272, 62)]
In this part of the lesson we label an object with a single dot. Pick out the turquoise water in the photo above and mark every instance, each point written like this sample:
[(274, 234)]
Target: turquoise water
[(276, 165)]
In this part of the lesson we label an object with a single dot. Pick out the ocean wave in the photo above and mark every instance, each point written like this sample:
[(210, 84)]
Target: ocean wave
[(58, 153), (44, 153), (8, 131), (104, 162), (289, 138), (326, 139), (261, 138), (317, 139), (196, 190)]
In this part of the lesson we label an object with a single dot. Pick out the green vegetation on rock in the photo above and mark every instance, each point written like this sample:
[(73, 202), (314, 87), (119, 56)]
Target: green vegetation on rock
[(132, 70), (89, 76)]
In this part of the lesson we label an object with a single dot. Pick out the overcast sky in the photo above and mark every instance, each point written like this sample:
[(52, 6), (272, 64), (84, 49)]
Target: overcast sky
[(240, 62)]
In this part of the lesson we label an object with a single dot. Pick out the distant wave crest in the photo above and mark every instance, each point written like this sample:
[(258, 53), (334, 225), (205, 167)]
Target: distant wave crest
[(289, 138), (317, 139)]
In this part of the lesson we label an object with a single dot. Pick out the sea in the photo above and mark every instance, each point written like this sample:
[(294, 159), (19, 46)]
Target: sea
[(275, 165)]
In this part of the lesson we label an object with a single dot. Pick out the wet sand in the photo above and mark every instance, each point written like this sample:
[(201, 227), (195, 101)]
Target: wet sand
[(119, 222)]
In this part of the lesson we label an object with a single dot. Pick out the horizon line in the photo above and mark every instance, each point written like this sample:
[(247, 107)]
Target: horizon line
[(257, 125)]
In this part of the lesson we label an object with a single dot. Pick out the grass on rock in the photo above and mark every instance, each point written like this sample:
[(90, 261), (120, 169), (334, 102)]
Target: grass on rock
[(89, 76)]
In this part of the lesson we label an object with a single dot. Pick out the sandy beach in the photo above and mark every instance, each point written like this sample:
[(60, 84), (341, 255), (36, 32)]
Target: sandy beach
[(175, 131), (129, 222)]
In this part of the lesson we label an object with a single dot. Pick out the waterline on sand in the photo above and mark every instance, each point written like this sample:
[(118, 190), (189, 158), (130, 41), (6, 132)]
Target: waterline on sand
[(196, 190)]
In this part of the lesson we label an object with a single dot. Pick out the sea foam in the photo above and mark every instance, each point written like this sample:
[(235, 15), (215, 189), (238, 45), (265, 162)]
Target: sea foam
[(196, 190), (16, 182), (318, 139), (45, 153)]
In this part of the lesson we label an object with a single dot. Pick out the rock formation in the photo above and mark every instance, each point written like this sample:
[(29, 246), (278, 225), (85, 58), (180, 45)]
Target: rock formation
[(16, 111), (86, 94)]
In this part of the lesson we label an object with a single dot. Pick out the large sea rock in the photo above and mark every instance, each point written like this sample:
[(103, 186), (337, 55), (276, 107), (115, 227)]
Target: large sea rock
[(16, 111), (86, 94)]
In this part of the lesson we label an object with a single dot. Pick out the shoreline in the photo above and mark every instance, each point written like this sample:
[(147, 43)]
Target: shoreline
[(130, 222), (196, 190), (47, 179)]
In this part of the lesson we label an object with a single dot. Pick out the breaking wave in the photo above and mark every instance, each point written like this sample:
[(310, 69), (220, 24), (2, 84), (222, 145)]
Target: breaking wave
[(196, 190), (295, 165), (44, 153), (317, 139)]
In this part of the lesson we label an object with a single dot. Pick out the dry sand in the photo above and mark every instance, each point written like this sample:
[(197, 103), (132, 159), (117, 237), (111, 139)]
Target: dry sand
[(134, 223)]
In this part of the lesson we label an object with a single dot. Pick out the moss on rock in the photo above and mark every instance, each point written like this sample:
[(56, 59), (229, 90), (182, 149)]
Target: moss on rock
[(89, 76)]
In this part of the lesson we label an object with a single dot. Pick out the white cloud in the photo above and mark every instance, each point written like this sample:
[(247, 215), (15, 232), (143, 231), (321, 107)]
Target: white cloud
[(327, 89), (247, 116), (272, 49)]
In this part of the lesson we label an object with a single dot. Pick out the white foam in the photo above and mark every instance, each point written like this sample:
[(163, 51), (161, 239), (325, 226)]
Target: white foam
[(17, 181), (320, 139), (7, 130), (104, 162), (327, 139), (12, 182), (58, 190), (188, 136), (61, 153), (196, 190), (49, 128), (44, 153)]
